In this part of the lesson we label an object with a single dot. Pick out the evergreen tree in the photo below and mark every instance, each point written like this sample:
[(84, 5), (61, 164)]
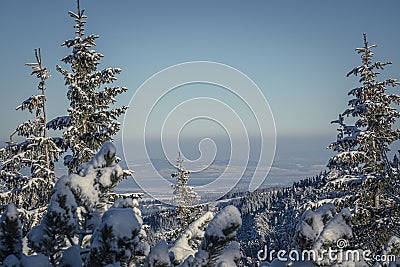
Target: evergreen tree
[(361, 174), (158, 256), (58, 226), (92, 186), (324, 229), (90, 121), (37, 152), (77, 206), (142, 248), (362, 146), (10, 233), (190, 240), (184, 195), (116, 239), (184, 198), (311, 225), (219, 247)]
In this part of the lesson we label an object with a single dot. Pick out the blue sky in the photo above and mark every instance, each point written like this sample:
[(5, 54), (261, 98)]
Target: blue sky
[(297, 52)]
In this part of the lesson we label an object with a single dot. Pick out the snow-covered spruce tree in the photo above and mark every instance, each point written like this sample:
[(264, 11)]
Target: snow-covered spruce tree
[(10, 233), (362, 146), (190, 240), (91, 187), (11, 254), (219, 247), (77, 206), (320, 230), (361, 172), (37, 152), (158, 256), (90, 120), (142, 248), (311, 225), (58, 226), (117, 240), (184, 198)]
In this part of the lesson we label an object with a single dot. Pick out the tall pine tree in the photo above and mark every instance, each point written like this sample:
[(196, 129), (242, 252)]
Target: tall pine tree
[(30, 191), (361, 172), (90, 120), (362, 146)]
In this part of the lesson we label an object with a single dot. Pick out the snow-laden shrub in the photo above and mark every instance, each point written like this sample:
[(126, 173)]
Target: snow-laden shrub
[(218, 247), (116, 239), (188, 243)]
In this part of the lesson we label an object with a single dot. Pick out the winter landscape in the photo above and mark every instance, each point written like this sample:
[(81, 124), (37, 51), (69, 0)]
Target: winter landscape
[(248, 134)]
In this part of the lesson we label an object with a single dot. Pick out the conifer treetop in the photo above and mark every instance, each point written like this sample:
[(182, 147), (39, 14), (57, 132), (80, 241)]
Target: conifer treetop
[(91, 118), (362, 146)]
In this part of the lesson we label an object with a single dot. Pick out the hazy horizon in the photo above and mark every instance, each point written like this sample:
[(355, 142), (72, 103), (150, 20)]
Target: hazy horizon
[(296, 158)]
